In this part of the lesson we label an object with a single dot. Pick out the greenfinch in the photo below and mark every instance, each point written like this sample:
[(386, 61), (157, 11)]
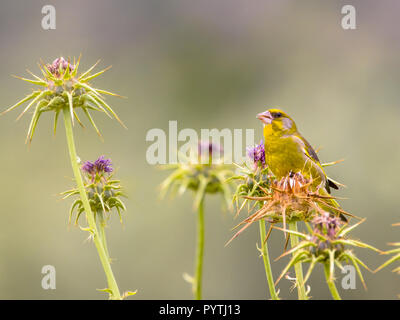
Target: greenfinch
[(288, 152)]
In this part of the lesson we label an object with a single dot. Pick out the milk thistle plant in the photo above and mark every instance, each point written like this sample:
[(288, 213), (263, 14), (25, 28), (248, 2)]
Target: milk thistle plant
[(289, 201), (204, 174), (254, 182), (63, 90)]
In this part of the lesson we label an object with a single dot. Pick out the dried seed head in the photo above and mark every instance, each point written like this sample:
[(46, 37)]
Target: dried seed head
[(292, 193), (290, 199)]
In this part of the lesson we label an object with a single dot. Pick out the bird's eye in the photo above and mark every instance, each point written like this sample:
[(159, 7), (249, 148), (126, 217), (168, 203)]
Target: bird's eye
[(278, 115)]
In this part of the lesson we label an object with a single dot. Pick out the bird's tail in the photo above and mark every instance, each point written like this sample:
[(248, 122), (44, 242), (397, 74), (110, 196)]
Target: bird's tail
[(332, 205)]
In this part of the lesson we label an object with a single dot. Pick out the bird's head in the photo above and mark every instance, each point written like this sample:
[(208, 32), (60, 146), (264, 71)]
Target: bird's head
[(279, 121)]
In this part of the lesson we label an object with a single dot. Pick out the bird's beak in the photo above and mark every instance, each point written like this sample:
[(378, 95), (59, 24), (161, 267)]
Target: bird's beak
[(265, 117)]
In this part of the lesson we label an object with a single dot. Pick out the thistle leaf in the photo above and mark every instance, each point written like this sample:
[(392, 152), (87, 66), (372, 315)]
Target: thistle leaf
[(106, 106), (110, 93), (86, 79), (295, 259), (313, 263), (75, 71), (79, 121), (107, 290), (301, 245), (31, 104), (97, 104), (390, 261), (89, 70), (37, 82), (27, 98), (128, 294), (34, 120), (57, 113), (35, 76), (355, 263), (92, 122), (343, 231), (73, 206)]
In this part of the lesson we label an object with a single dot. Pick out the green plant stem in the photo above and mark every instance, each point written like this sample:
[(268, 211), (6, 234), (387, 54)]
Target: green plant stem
[(112, 284), (102, 232), (267, 263), (294, 241), (199, 252), (331, 283)]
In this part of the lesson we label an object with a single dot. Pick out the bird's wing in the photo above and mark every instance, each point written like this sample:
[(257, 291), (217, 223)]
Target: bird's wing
[(306, 148), (309, 149), (312, 155)]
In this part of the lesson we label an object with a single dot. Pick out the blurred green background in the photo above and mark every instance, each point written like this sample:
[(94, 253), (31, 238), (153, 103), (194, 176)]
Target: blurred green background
[(206, 64)]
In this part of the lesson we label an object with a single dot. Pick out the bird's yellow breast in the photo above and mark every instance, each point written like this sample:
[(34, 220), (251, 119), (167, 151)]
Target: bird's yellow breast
[(285, 154)]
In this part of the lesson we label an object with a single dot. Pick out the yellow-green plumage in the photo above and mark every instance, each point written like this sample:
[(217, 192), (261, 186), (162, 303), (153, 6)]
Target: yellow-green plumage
[(287, 151)]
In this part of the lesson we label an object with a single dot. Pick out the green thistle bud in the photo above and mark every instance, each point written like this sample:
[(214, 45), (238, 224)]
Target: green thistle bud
[(201, 178), (62, 87)]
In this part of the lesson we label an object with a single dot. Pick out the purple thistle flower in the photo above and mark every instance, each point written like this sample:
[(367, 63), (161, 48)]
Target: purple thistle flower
[(88, 167), (54, 68), (100, 166), (208, 152), (104, 165), (257, 154), (205, 147), (328, 223)]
